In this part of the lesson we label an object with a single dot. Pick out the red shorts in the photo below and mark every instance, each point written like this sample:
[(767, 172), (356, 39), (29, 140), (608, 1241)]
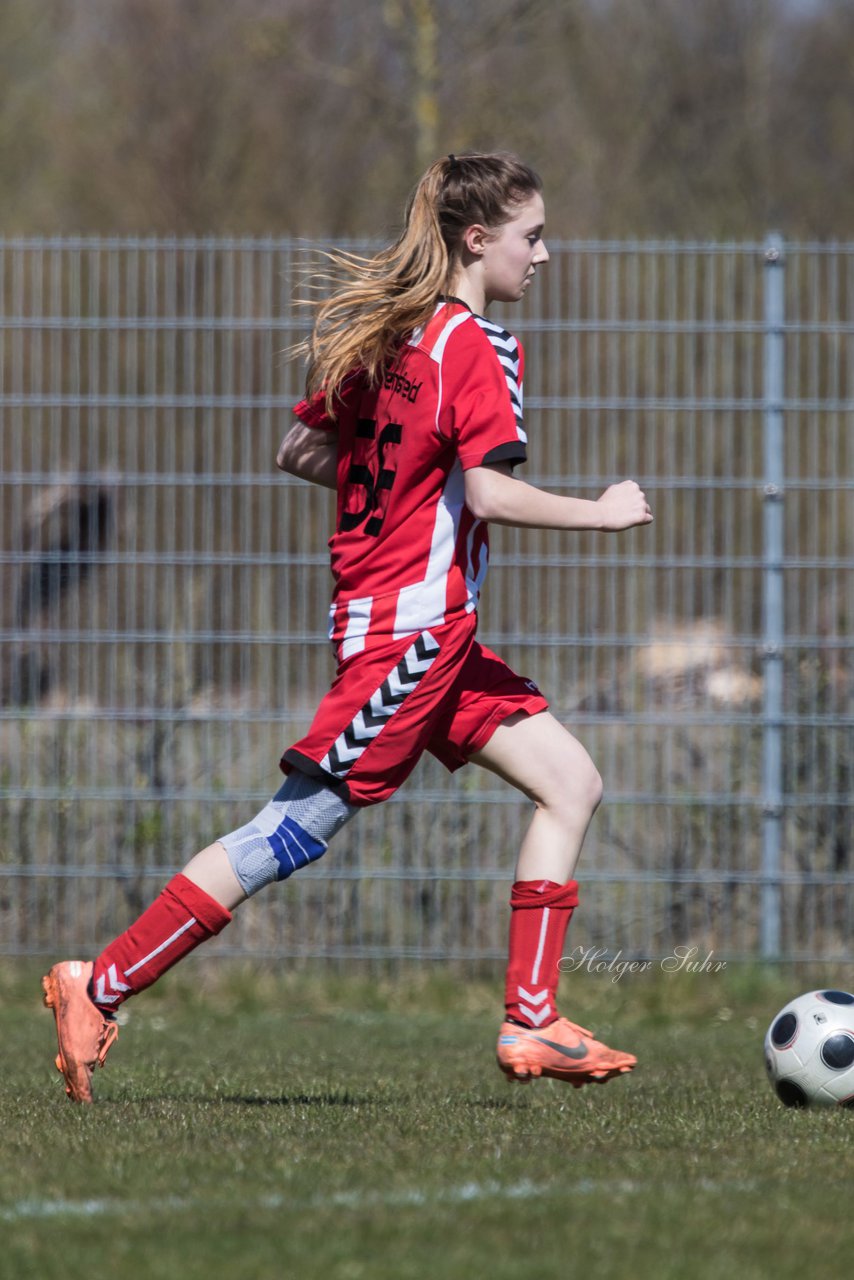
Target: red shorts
[(439, 691)]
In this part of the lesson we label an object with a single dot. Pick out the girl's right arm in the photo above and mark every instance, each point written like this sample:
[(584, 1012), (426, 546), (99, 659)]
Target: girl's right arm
[(311, 454)]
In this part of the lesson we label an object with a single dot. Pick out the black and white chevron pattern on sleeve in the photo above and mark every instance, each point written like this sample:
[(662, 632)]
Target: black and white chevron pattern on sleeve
[(506, 348), (381, 706)]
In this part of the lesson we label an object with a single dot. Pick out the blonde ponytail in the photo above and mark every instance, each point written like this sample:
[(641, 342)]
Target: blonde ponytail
[(379, 301)]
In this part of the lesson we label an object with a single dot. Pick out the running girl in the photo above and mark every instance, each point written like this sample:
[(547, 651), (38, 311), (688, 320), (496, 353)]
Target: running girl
[(413, 414)]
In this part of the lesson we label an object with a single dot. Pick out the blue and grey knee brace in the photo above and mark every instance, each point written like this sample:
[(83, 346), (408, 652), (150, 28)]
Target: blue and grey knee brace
[(291, 831)]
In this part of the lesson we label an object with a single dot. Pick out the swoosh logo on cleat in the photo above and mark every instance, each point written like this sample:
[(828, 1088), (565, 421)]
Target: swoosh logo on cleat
[(568, 1050)]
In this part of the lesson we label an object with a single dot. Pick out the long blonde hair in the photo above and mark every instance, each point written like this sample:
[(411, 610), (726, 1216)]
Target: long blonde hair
[(381, 300)]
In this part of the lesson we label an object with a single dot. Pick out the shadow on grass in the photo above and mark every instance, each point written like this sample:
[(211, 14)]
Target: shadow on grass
[(302, 1100), (352, 1100)]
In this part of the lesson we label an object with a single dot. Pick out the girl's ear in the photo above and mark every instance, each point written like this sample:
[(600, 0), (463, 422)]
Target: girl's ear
[(475, 239)]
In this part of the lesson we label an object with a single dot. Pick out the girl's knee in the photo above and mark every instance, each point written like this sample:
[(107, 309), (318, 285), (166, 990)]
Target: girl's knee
[(588, 787), (595, 788), (574, 787)]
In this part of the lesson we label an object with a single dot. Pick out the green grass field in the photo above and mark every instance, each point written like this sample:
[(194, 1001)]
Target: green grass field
[(331, 1126)]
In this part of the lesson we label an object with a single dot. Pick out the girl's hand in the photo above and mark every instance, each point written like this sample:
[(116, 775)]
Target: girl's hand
[(623, 506)]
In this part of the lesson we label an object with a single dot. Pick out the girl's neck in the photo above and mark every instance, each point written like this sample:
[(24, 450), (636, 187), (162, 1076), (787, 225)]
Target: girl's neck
[(468, 287)]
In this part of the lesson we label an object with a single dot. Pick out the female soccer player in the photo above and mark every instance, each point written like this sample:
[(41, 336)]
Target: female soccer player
[(413, 413)]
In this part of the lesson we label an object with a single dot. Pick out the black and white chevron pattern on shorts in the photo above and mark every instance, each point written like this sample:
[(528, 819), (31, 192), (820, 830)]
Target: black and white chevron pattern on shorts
[(381, 706)]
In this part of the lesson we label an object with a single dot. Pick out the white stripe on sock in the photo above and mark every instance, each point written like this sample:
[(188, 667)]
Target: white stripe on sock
[(162, 947), (535, 972)]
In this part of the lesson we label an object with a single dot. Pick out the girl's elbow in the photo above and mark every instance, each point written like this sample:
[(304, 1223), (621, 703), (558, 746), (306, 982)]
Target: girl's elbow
[(481, 509), (285, 458), (490, 492), (479, 501)]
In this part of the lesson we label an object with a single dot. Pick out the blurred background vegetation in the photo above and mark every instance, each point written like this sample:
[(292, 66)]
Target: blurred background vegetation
[(687, 118)]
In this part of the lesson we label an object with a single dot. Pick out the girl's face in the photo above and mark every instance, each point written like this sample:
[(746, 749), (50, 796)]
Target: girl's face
[(512, 254)]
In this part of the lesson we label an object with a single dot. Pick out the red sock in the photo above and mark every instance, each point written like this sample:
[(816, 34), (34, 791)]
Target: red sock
[(540, 913), (173, 926)]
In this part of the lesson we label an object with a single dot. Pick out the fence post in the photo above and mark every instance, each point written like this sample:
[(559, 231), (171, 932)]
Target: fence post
[(773, 620)]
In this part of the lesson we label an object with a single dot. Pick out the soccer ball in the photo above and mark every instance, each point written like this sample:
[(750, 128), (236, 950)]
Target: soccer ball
[(809, 1050)]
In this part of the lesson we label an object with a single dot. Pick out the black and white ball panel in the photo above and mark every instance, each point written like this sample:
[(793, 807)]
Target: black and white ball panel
[(784, 1030), (837, 1052)]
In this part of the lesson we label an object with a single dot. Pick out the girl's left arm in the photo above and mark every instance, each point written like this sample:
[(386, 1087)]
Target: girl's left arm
[(311, 454), (494, 494)]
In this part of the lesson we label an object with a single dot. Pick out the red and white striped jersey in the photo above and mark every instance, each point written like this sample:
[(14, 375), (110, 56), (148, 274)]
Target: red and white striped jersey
[(407, 554)]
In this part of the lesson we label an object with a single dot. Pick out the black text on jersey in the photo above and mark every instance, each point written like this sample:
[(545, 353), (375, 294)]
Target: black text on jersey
[(399, 385)]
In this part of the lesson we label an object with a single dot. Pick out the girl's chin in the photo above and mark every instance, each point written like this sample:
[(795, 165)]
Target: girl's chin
[(508, 295)]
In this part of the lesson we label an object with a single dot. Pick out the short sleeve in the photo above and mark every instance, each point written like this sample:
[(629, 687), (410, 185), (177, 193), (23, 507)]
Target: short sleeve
[(312, 409), (312, 412), (482, 373)]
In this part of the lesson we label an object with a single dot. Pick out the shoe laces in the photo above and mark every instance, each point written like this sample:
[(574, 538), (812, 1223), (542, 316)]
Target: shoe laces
[(581, 1031), (109, 1036)]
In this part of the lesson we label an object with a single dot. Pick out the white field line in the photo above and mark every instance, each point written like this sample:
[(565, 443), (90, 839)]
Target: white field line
[(356, 1201)]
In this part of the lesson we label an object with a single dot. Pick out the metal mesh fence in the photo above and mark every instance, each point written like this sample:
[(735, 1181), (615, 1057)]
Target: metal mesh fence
[(165, 594)]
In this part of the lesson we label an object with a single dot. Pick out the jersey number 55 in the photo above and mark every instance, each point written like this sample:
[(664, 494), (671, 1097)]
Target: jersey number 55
[(370, 477)]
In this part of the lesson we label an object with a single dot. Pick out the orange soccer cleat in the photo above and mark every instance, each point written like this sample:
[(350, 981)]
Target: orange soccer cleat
[(562, 1050), (85, 1036)]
